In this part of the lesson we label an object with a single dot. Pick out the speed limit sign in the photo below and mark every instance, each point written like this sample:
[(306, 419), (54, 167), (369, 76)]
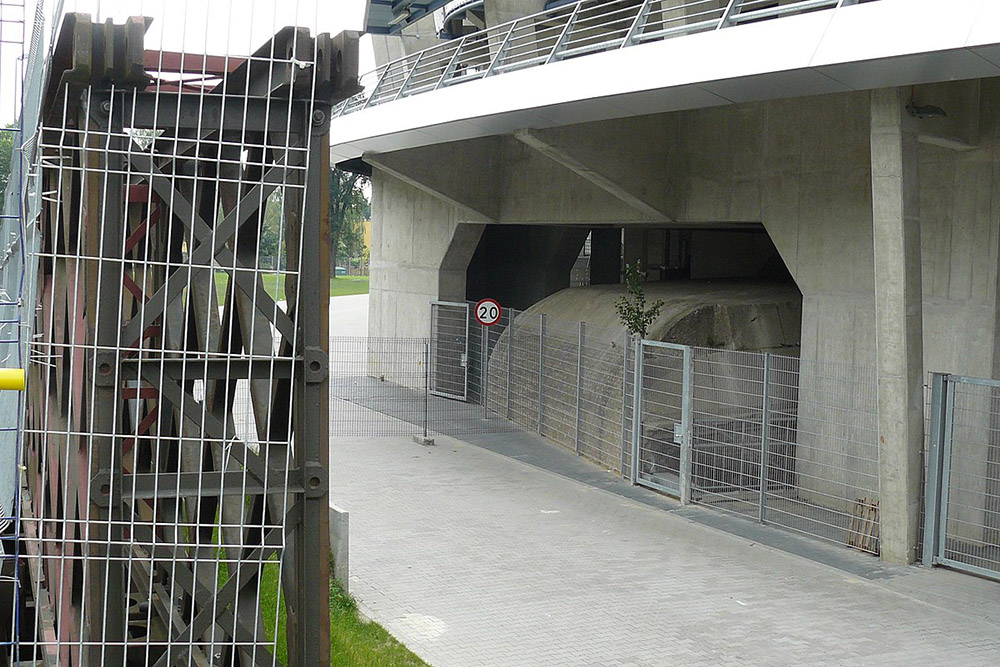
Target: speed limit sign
[(488, 312)]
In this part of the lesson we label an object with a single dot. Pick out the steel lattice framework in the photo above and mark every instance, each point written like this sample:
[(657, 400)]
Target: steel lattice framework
[(177, 421)]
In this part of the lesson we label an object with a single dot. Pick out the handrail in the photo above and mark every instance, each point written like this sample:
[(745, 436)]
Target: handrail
[(567, 31)]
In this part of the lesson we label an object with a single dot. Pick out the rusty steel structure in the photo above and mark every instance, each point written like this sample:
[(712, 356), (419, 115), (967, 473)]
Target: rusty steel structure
[(176, 429)]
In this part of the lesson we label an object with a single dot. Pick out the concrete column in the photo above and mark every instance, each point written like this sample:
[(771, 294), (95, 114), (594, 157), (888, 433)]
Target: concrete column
[(501, 11), (898, 325)]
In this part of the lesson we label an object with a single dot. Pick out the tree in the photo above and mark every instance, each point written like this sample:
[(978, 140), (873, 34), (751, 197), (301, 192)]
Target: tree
[(632, 309), (6, 150), (349, 208)]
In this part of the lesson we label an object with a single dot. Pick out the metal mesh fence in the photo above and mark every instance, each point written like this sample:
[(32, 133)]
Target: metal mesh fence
[(174, 491), (962, 526)]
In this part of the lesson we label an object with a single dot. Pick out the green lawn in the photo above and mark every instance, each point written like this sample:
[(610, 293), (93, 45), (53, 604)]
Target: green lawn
[(354, 642), (274, 285)]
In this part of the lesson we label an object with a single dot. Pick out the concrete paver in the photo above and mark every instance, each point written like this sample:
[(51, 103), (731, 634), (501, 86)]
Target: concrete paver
[(473, 558)]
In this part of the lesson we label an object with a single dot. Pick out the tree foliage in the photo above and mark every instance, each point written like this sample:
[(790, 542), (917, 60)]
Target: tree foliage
[(349, 208), (6, 150), (632, 309)]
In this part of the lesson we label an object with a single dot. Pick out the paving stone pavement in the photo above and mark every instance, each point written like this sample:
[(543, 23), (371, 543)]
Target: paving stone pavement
[(474, 558)]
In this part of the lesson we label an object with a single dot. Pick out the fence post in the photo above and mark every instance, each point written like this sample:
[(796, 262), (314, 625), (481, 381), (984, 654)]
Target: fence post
[(932, 485), (626, 437), (541, 369), (484, 372), (687, 421), (637, 410), (579, 383), (765, 420), (510, 355), (427, 383)]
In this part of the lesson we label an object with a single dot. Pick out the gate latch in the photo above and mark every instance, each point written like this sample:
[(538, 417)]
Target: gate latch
[(465, 360), (678, 434)]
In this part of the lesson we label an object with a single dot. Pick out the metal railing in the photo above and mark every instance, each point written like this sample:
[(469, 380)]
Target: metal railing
[(570, 31)]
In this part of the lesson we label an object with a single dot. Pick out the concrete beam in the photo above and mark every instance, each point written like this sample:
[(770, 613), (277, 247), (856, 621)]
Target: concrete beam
[(898, 320), (462, 174), (562, 154)]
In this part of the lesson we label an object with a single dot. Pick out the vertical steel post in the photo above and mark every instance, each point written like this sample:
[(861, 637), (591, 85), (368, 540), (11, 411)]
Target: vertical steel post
[(510, 356), (932, 484), (427, 384), (765, 421), (107, 609), (687, 421), (626, 435), (579, 384), (637, 409), (484, 366), (945, 489), (541, 369), (312, 438)]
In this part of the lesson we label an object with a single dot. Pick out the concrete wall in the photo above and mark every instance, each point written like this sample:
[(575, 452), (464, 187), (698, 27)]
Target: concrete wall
[(421, 248), (803, 168)]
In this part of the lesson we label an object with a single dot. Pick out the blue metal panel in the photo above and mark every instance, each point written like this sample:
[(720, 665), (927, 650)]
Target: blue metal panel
[(384, 16)]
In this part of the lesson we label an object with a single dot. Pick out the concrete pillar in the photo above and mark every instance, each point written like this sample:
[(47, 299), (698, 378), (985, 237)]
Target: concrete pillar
[(898, 321), (605, 256), (501, 11)]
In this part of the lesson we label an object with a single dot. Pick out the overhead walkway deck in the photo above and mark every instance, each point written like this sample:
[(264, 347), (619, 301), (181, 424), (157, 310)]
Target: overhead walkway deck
[(598, 60)]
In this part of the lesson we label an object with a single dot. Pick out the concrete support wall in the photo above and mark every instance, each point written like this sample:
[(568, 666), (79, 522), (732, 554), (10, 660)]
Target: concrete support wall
[(898, 320), (421, 248)]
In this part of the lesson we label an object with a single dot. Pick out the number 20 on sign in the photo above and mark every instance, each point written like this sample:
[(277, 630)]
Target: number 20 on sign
[(488, 312)]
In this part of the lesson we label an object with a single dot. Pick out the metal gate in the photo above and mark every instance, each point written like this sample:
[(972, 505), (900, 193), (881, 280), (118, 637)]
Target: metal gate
[(661, 442), (962, 494), (449, 353)]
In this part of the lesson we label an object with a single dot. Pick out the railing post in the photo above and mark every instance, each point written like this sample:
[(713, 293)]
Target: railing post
[(637, 410), (564, 34), (932, 484), (727, 16), (500, 50), (687, 421), (378, 84), (449, 68), (765, 421), (406, 81), (640, 21), (541, 369), (579, 383)]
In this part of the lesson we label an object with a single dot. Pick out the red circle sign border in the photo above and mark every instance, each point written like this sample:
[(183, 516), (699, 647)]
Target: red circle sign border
[(493, 302)]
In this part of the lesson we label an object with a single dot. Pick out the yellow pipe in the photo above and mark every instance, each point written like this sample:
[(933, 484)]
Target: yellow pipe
[(12, 378)]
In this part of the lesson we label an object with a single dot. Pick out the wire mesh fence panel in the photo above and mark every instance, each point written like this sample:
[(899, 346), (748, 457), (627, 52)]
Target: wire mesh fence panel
[(378, 386), (175, 500), (558, 380), (604, 378), (15, 298), (449, 349), (728, 393), (661, 432), (823, 451), (524, 336), (970, 496)]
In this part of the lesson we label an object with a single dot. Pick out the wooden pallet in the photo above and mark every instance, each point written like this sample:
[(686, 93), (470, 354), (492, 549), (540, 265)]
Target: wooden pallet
[(862, 532)]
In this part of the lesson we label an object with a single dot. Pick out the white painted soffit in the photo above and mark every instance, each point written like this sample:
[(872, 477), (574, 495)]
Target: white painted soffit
[(873, 45)]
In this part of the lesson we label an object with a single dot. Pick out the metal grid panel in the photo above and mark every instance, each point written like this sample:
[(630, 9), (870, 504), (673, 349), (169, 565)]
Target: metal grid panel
[(12, 314), (970, 490), (664, 409), (728, 392), (584, 27), (176, 433), (449, 349)]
